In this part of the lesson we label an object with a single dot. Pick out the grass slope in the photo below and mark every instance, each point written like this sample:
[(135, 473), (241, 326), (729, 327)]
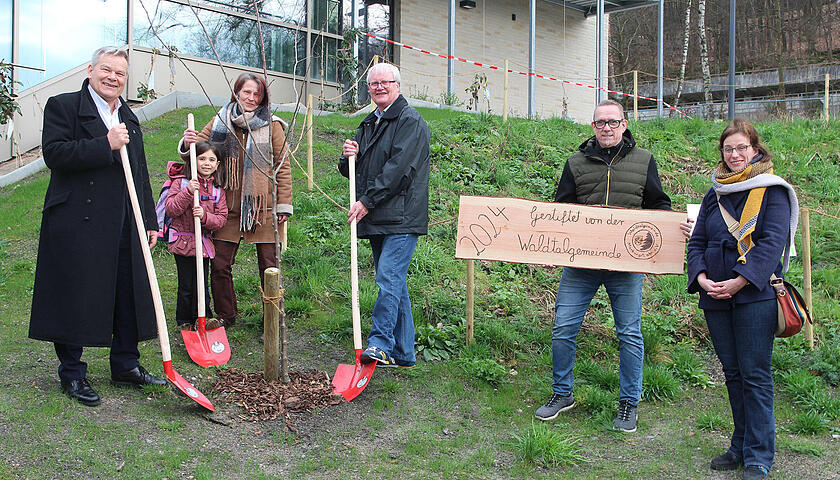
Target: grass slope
[(463, 412)]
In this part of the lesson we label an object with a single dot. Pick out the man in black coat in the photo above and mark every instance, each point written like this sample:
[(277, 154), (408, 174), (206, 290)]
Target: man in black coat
[(91, 286), (392, 187)]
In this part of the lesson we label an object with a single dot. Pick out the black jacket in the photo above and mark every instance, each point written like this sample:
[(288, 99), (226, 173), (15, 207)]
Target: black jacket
[(653, 197), (84, 209), (392, 171)]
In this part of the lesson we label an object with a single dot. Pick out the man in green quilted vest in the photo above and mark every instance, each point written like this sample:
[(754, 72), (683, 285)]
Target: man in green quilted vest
[(608, 169)]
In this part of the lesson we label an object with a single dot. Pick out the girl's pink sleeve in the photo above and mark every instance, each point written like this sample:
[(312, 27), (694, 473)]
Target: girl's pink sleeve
[(179, 201), (215, 220)]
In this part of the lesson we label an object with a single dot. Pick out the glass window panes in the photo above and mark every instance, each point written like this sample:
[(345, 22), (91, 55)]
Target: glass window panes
[(6, 30), (236, 39), (325, 58), (288, 11), (326, 15), (58, 35)]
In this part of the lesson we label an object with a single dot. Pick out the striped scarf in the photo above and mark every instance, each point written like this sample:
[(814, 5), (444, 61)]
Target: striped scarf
[(252, 174), (755, 179)]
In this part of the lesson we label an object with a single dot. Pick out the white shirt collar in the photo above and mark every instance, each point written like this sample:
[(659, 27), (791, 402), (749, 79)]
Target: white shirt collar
[(110, 119)]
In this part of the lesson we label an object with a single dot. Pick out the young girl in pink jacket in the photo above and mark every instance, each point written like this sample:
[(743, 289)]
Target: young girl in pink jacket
[(212, 211)]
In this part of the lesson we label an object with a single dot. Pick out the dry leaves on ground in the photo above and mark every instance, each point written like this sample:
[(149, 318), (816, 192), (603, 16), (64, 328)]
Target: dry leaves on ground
[(263, 400)]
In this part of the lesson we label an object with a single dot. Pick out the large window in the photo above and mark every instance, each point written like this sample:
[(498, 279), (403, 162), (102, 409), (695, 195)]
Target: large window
[(325, 58), (288, 11), (326, 15), (236, 39), (6, 30), (58, 35)]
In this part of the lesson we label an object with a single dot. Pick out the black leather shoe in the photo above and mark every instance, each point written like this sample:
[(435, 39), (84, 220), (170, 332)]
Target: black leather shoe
[(136, 377), (80, 390)]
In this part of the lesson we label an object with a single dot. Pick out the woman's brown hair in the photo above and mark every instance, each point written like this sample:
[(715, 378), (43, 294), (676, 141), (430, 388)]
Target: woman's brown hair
[(240, 81), (743, 126)]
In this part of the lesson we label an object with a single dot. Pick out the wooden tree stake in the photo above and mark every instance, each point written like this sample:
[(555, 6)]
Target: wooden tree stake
[(309, 167), (505, 111), (271, 321), (805, 222), (636, 95), (470, 300)]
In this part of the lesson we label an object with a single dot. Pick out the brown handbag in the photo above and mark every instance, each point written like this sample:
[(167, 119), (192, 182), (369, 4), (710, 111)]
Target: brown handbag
[(792, 312)]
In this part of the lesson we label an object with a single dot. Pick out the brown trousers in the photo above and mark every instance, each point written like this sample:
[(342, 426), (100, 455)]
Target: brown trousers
[(221, 277)]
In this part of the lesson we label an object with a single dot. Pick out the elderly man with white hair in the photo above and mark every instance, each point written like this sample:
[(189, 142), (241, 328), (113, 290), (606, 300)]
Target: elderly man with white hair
[(91, 286), (391, 147)]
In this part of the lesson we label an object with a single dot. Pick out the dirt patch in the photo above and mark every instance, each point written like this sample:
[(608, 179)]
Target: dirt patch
[(14, 163), (264, 400)]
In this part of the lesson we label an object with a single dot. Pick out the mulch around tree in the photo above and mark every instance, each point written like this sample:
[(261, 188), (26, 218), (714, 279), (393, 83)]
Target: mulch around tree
[(263, 400)]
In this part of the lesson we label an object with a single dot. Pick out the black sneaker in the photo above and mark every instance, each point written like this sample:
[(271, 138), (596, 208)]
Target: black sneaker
[(725, 461), (556, 404), (376, 354), (626, 418), (755, 472)]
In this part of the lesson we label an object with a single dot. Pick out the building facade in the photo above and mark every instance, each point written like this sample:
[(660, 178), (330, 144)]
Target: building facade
[(179, 45)]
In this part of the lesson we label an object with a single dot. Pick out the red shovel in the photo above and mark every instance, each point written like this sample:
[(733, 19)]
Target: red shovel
[(206, 347), (163, 336), (350, 380)]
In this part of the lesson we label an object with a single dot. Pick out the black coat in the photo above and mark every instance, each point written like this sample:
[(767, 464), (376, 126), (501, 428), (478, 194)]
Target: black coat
[(84, 210), (392, 172)]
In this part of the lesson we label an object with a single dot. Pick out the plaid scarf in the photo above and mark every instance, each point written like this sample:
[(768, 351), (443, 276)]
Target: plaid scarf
[(755, 179), (252, 174)]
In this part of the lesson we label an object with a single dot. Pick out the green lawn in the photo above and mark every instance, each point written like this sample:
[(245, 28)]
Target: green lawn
[(463, 412)]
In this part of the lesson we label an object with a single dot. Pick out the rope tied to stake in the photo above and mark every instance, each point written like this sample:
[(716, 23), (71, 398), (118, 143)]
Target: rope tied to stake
[(275, 301)]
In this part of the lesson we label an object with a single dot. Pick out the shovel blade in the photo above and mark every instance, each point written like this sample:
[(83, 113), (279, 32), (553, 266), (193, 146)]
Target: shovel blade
[(185, 387), (207, 347), (350, 380)]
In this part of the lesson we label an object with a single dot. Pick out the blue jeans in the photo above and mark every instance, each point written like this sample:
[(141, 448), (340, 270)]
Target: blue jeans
[(743, 340), (577, 287), (393, 324)]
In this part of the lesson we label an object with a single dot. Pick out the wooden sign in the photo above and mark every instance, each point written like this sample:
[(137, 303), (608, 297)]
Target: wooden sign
[(526, 231)]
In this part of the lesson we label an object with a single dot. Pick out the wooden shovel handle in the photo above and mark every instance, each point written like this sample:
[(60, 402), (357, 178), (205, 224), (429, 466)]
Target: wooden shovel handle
[(163, 335), (199, 252), (354, 261)]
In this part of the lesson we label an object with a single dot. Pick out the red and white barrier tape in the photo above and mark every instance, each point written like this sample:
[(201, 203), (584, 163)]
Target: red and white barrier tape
[(527, 74)]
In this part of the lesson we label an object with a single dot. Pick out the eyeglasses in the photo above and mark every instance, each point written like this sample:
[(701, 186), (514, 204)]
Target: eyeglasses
[(384, 83), (600, 124), (741, 149)]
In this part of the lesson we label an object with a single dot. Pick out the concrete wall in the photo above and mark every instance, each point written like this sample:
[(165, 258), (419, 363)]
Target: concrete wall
[(487, 34)]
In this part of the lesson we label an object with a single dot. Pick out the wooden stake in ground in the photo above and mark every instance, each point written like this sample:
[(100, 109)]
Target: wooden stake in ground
[(805, 223), (505, 111), (271, 323), (309, 166), (470, 300)]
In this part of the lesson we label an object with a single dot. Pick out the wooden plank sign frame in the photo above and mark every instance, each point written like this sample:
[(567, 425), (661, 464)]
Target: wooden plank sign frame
[(527, 231)]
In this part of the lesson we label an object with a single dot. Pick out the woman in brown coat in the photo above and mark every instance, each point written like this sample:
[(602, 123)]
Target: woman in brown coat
[(251, 136)]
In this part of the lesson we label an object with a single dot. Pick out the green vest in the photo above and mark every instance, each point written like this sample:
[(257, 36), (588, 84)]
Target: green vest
[(619, 184)]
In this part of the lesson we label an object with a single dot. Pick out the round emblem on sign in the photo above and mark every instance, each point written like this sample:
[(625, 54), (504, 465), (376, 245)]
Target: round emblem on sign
[(191, 392), (643, 240), (217, 347), (361, 383)]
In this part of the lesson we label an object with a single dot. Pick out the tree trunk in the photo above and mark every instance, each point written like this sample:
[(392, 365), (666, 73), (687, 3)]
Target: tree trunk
[(780, 53), (686, 37), (704, 51)]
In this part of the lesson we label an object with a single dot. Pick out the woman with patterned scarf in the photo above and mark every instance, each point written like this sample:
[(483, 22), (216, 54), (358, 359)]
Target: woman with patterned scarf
[(731, 271), (254, 143)]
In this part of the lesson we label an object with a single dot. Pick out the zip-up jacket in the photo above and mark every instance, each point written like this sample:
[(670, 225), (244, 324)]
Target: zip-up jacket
[(392, 172), (622, 176)]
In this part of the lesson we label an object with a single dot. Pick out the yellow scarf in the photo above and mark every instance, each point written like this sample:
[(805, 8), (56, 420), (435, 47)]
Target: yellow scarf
[(749, 216)]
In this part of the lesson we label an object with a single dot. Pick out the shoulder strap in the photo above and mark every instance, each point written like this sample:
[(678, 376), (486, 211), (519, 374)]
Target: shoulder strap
[(731, 223), (215, 194)]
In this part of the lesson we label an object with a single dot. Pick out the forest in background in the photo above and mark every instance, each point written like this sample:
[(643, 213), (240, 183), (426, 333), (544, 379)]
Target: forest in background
[(770, 34)]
